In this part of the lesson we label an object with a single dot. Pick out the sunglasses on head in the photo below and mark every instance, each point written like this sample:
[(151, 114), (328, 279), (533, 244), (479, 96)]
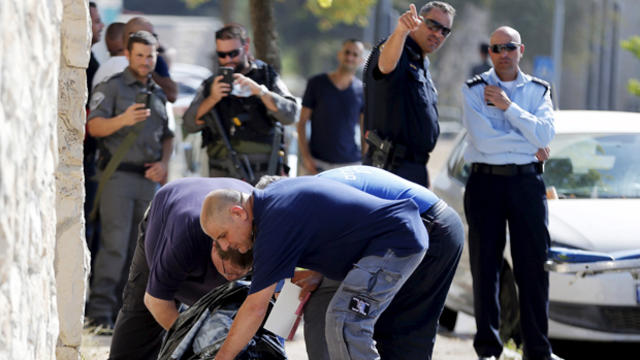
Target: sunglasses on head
[(497, 48), (436, 26), (232, 53)]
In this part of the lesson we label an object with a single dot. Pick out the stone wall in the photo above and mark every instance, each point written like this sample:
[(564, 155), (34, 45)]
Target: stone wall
[(72, 259), (29, 59), (43, 55)]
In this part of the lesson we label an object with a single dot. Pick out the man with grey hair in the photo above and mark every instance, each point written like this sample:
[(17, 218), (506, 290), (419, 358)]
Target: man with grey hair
[(509, 119), (400, 115)]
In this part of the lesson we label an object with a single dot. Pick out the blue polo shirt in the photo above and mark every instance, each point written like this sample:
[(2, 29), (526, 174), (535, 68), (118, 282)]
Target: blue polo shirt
[(178, 252), (401, 105), (326, 226), (382, 184), (335, 114)]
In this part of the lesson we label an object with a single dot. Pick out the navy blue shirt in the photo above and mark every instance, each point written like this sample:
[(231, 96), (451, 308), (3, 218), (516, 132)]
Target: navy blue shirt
[(335, 114), (382, 184), (178, 251), (326, 226), (401, 105)]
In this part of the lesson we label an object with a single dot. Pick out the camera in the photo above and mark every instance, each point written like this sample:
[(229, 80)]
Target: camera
[(227, 75)]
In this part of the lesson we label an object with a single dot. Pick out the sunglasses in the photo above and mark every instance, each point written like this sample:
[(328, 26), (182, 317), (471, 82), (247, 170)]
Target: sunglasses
[(436, 26), (231, 54), (497, 48)]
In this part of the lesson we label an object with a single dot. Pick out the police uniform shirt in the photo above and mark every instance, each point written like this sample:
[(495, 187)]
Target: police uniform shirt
[(507, 137), (401, 105), (112, 97)]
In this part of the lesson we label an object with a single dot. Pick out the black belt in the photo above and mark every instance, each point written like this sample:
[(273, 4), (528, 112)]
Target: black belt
[(429, 216), (508, 169), (134, 168)]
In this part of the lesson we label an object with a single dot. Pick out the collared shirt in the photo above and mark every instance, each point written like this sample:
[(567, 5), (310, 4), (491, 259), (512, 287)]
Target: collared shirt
[(112, 97), (401, 105), (512, 136)]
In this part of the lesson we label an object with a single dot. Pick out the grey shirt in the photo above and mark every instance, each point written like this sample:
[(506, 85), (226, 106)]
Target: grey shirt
[(112, 97)]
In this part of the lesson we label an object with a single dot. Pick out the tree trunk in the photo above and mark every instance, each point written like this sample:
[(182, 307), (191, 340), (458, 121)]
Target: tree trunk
[(264, 32), (227, 9)]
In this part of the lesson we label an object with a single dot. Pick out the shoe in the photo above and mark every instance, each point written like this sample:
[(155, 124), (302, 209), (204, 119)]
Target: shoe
[(555, 357), (99, 325)]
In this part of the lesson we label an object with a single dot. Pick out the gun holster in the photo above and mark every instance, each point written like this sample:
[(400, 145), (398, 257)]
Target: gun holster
[(383, 153)]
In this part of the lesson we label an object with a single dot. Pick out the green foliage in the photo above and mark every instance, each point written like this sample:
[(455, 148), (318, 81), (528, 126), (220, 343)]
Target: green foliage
[(633, 46), (331, 13), (192, 4)]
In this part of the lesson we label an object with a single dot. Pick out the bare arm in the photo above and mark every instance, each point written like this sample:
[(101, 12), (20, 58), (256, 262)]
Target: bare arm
[(101, 126), (391, 51), (158, 171), (246, 324), (164, 311), (303, 144), (169, 86)]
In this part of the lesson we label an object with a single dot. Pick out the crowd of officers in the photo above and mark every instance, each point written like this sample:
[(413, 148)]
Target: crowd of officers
[(399, 244)]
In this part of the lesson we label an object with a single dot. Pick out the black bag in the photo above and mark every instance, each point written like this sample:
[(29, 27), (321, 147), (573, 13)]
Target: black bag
[(225, 299)]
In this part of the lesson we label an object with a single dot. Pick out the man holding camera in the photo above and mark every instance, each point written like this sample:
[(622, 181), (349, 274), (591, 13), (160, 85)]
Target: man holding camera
[(129, 119), (400, 116), (249, 106)]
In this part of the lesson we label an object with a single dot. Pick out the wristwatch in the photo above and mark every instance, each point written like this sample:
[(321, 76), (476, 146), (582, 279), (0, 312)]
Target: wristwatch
[(263, 91)]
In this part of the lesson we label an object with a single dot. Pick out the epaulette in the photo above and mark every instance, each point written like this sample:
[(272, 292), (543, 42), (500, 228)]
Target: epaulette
[(475, 81), (541, 82)]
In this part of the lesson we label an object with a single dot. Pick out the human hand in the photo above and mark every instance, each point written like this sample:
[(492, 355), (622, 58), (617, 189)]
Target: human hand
[(157, 172), (135, 114), (495, 95), (219, 89), (409, 21), (308, 280), (543, 154), (244, 83)]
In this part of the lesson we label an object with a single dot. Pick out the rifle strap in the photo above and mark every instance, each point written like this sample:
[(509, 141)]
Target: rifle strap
[(112, 165)]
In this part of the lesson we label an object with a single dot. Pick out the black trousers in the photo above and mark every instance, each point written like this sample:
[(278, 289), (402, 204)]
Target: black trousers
[(136, 335), (491, 202)]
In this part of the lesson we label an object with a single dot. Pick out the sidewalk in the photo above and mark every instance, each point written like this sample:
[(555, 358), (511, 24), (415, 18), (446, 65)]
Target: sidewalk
[(457, 345)]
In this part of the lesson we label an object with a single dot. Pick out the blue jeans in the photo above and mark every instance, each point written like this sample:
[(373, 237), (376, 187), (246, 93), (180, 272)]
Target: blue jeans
[(364, 294)]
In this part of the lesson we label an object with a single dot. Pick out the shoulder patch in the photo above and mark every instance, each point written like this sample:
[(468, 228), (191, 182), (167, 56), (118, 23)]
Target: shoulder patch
[(96, 99), (476, 80), (541, 82)]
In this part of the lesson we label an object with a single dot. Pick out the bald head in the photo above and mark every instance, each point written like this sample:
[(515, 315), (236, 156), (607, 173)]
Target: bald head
[(506, 52), (216, 204), (134, 25), (507, 31)]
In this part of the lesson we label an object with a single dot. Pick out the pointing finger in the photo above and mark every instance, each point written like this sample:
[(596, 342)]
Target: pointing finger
[(413, 10)]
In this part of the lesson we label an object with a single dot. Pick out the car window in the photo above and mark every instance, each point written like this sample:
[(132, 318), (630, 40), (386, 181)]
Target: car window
[(589, 166), (458, 168)]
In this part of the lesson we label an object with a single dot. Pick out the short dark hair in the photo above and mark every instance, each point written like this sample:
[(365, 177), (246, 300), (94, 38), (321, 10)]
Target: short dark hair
[(233, 31), (484, 48), (446, 8), (352, 41), (237, 258), (92, 4), (141, 37)]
